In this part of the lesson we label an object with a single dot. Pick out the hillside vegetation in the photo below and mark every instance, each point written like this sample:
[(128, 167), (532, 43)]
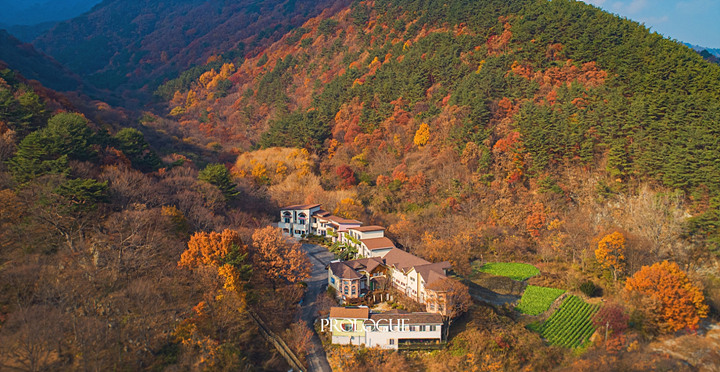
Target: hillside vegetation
[(122, 46), (479, 132), (493, 130), (494, 101)]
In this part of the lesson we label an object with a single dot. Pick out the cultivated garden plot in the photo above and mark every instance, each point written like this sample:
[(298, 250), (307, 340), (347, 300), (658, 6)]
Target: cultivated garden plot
[(571, 325), (537, 300), (512, 270)]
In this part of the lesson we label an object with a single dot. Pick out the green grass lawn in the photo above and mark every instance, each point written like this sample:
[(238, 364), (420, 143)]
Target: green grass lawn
[(512, 270), (537, 300)]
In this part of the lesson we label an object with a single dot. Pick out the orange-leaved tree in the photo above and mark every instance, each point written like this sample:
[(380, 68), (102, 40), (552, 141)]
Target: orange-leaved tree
[(278, 258), (224, 251), (681, 304), (610, 253)]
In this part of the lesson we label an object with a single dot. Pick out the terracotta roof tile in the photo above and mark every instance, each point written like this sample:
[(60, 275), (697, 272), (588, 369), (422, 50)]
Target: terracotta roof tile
[(350, 312), (402, 260), (432, 272), (378, 243), (342, 270), (368, 228), (345, 221), (367, 264), (321, 213)]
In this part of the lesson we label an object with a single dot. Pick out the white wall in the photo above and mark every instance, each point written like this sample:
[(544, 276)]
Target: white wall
[(378, 252), (381, 339), (371, 234), (397, 274)]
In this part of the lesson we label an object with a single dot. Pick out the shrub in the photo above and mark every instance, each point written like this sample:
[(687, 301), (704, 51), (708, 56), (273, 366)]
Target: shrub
[(589, 289)]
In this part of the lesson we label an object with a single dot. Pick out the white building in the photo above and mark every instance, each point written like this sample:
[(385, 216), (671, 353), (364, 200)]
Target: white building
[(389, 330), (407, 328), (408, 273), (296, 220)]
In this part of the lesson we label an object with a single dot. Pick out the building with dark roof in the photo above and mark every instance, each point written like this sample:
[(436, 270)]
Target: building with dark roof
[(387, 330), (380, 263), (353, 279)]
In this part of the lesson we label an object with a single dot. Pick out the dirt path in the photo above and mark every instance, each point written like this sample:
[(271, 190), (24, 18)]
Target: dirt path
[(483, 294), (320, 257)]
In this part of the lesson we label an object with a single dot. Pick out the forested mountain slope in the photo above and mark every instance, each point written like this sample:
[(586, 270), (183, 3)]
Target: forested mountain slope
[(512, 95), (92, 227), (475, 131), (35, 65), (121, 45)]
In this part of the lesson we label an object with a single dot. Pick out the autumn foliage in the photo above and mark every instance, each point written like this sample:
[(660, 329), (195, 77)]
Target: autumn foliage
[(209, 248), (679, 304), (279, 259), (610, 253)]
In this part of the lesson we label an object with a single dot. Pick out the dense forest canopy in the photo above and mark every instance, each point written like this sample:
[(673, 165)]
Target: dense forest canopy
[(539, 132)]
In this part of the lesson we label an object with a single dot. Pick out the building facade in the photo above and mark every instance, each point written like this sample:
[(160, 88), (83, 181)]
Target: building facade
[(379, 261), (297, 220), (389, 330)]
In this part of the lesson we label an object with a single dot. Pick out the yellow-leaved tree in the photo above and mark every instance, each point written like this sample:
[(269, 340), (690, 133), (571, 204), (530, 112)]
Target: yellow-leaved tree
[(610, 253), (422, 136)]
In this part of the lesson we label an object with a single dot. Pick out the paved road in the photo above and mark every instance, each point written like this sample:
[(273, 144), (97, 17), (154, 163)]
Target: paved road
[(320, 257)]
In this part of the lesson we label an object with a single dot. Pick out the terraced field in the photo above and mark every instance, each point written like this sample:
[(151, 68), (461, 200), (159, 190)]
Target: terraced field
[(536, 300), (571, 325)]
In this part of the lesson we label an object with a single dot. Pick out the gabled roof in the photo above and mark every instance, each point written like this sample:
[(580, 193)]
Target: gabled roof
[(350, 312), (343, 270), (369, 228), (321, 213), (432, 272), (378, 243), (402, 260), (300, 207), (367, 264)]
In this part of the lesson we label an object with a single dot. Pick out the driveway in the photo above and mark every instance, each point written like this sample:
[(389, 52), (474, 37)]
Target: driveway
[(319, 257)]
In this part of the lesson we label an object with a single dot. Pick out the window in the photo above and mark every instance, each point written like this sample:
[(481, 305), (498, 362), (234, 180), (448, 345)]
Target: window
[(346, 290), (287, 219), (432, 307), (391, 341), (353, 290), (422, 328), (412, 328), (432, 328), (347, 327), (332, 280)]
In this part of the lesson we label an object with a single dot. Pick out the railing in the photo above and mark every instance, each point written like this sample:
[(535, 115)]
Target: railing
[(278, 342)]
